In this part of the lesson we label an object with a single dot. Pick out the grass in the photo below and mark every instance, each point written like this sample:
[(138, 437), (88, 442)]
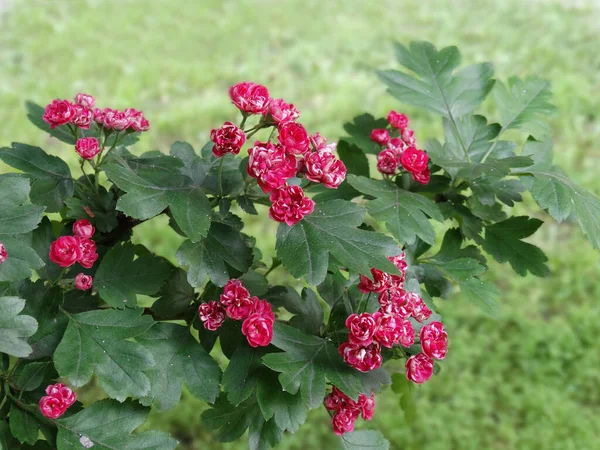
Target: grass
[(528, 380)]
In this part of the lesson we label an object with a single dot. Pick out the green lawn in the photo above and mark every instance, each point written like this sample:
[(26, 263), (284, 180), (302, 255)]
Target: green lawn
[(529, 380)]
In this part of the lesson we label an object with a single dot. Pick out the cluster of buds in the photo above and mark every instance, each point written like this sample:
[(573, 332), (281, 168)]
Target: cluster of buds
[(296, 154), (346, 410), (57, 400), (399, 149), (236, 303)]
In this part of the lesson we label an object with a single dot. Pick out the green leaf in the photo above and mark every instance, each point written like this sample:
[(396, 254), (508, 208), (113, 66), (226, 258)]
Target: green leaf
[(22, 259), (360, 132), (437, 86), (307, 309), (503, 242), (7, 441), (178, 357), (354, 159), (100, 209), (288, 411), (16, 217), (51, 182), (404, 388), (242, 373), (107, 425), (405, 213), (305, 363), (119, 277), (35, 113), (231, 421), (364, 439), (175, 297), (15, 328), (96, 342), (23, 425), (305, 248), (30, 375), (521, 104), (41, 238), (223, 247), (263, 435)]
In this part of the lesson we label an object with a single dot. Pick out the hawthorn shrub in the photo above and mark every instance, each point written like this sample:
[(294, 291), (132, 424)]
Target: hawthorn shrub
[(355, 225)]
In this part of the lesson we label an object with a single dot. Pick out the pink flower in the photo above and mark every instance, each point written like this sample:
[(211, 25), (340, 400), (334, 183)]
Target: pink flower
[(396, 301), (271, 165), (414, 160), (408, 136), (258, 330), (338, 400), (87, 147), (82, 117), (233, 290), (378, 284), (434, 340), (422, 177), (388, 161), (52, 407), (3, 253), (98, 115), (240, 308), (325, 168), (83, 228), (318, 142), (419, 368), (343, 421), (59, 390), (406, 333), (397, 120), (115, 120), (83, 282), (420, 310), (399, 262), (85, 100), (290, 205), (250, 98), (59, 112), (367, 406), (387, 329), (361, 358), (263, 308), (362, 328), (212, 315), (380, 136), (137, 121), (65, 251), (227, 139), (88, 253), (282, 112), (293, 137)]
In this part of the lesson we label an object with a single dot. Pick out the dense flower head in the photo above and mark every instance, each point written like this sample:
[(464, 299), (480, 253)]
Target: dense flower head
[(61, 390), (59, 112), (3, 253), (262, 307), (250, 98), (387, 329), (324, 168), (397, 120), (83, 282), (388, 161), (85, 100), (380, 136), (57, 400), (408, 136), (362, 358), (282, 112), (378, 284), (289, 204), (362, 328), (366, 406), (343, 421), (293, 137), (232, 292), (83, 228), (212, 315), (420, 311), (346, 410), (419, 368), (240, 308), (82, 117), (66, 250), (87, 147), (228, 139), (422, 177), (337, 400), (397, 144), (318, 142), (137, 120), (258, 329), (88, 253), (114, 119), (413, 160), (271, 165), (434, 340)]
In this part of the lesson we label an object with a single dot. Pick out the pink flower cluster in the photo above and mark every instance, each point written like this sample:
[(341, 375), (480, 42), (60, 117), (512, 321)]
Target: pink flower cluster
[(434, 345), (82, 113), (3, 253), (237, 304), (400, 150), (57, 400), (80, 248), (87, 147), (347, 410)]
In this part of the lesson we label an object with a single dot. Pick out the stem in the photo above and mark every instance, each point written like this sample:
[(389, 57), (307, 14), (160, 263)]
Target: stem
[(462, 144), (271, 135), (84, 172), (489, 152), (243, 121), (219, 176), (366, 303), (276, 263), (61, 275)]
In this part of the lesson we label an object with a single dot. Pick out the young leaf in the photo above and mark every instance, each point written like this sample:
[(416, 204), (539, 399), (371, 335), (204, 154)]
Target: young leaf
[(405, 213), (306, 361), (107, 425), (364, 440), (95, 342), (178, 357), (331, 229), (119, 277), (51, 182), (503, 242), (15, 328), (437, 86)]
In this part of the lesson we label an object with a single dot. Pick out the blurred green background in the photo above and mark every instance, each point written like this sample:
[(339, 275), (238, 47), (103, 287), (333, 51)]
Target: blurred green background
[(530, 380)]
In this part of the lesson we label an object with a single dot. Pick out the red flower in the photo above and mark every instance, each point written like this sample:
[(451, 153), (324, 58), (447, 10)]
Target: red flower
[(387, 329), (270, 165), (434, 340), (250, 98), (227, 139), (325, 168), (318, 142), (212, 315), (137, 121), (388, 161), (397, 120), (66, 251), (343, 421), (59, 112), (293, 137), (399, 262), (262, 307), (240, 308), (83, 228), (290, 205), (396, 301), (115, 120), (258, 330), (82, 117), (422, 177), (406, 333), (52, 407), (362, 328), (380, 136), (379, 283), (85, 100), (367, 406), (3, 253), (88, 253), (60, 390), (361, 358), (408, 136), (83, 282), (282, 112), (420, 310), (338, 400), (419, 368), (414, 160), (233, 290), (87, 147)]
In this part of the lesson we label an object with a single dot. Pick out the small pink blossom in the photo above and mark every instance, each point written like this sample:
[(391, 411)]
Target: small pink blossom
[(52, 407), (419, 368), (397, 120), (378, 284), (408, 136), (290, 205), (83, 228), (413, 160), (293, 137), (324, 168), (361, 358), (85, 100), (212, 315), (282, 112), (420, 310), (59, 112), (250, 98), (271, 165), (362, 328), (3, 253), (233, 290), (380, 136), (388, 161), (65, 251), (88, 253), (367, 406), (434, 340), (60, 390), (258, 330), (83, 282), (87, 147), (228, 139), (343, 421)]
